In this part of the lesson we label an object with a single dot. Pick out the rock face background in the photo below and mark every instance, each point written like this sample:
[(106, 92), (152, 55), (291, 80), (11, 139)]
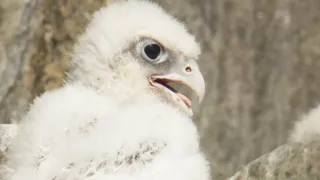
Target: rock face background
[(261, 62)]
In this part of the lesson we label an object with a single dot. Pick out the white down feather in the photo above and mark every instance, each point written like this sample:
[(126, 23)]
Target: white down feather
[(91, 134), (307, 128)]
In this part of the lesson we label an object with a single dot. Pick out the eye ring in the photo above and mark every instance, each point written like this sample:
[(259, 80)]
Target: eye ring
[(152, 51)]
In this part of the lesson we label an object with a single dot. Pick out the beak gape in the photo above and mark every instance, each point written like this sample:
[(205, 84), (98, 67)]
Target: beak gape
[(193, 80)]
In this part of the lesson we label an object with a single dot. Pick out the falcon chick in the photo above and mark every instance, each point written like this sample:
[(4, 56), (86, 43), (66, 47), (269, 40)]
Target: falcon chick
[(118, 117)]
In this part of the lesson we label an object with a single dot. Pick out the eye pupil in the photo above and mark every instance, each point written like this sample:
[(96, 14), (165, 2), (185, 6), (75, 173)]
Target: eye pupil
[(152, 51)]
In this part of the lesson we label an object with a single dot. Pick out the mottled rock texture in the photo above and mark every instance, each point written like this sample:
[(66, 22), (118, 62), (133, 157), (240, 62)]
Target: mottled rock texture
[(260, 60), (292, 161)]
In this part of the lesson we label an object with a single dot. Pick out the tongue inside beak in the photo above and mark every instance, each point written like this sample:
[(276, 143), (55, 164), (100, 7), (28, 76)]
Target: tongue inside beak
[(185, 99)]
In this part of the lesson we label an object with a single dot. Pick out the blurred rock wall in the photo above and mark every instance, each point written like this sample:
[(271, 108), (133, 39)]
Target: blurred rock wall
[(260, 61)]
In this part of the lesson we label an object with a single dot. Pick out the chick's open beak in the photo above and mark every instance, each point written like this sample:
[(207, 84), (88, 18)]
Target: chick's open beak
[(189, 76)]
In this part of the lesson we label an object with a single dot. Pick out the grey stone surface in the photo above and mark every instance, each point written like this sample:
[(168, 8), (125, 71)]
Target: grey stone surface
[(18, 21), (294, 161)]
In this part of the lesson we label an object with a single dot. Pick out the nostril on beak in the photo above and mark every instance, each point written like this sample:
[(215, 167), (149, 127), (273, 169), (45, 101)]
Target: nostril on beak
[(188, 69)]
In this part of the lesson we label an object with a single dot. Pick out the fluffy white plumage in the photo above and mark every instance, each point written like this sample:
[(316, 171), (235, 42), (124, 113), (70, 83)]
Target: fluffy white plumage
[(99, 141), (108, 122), (308, 128)]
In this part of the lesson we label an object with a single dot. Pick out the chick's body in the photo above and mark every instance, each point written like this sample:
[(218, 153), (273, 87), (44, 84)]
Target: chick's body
[(106, 140)]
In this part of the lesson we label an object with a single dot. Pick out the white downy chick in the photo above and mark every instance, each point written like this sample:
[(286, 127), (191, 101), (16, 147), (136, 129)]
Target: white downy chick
[(117, 117)]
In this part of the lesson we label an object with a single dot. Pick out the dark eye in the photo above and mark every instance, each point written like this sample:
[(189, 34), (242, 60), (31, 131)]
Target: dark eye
[(152, 51)]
